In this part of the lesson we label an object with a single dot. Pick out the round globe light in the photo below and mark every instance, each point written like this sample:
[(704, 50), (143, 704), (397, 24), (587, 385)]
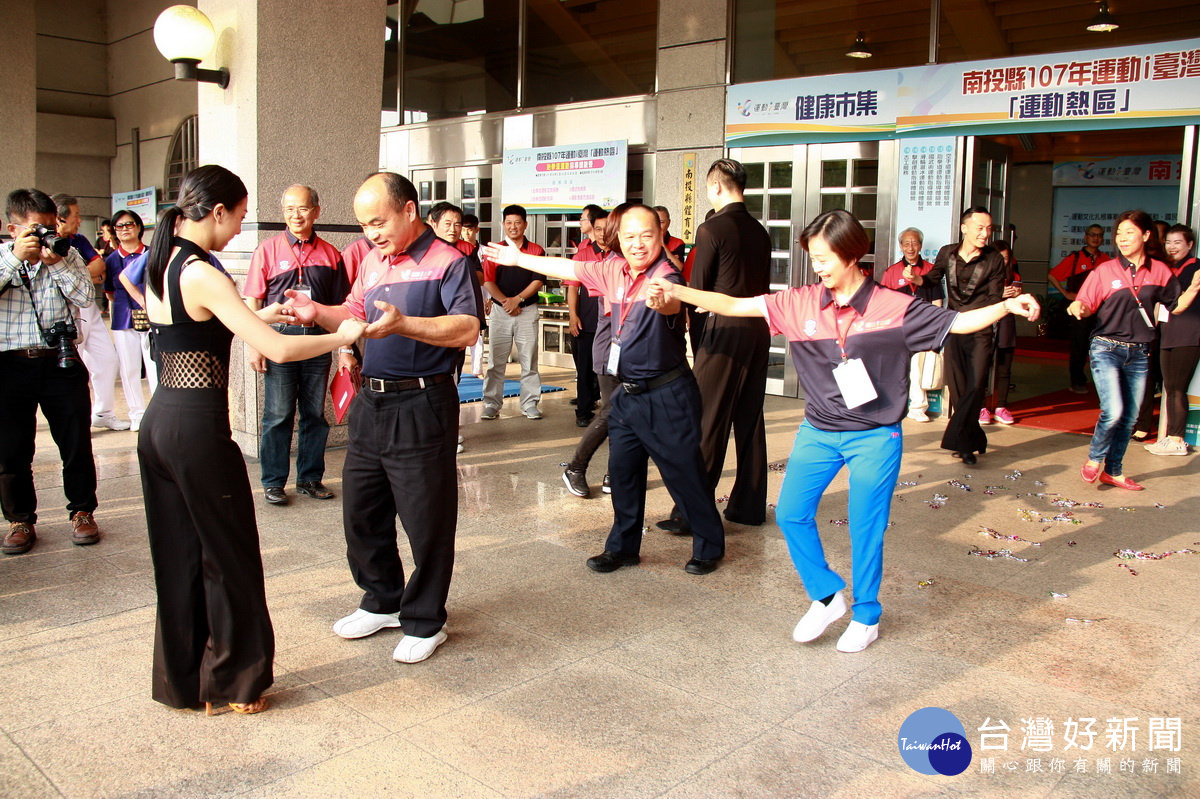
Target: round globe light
[(184, 33)]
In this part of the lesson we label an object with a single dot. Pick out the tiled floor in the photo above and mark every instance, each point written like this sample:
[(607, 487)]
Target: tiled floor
[(647, 681)]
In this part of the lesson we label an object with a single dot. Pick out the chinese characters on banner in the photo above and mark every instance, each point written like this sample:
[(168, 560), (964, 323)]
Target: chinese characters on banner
[(1152, 84), (139, 201), (563, 179), (925, 191), (688, 230), (1082, 746)]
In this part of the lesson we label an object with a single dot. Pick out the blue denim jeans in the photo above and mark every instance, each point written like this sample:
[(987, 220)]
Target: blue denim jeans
[(1119, 372), (286, 386)]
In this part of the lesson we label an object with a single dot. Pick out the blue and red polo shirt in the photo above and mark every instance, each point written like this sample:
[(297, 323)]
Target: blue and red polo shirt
[(651, 343), (353, 256), (430, 278), (120, 312), (512, 280), (882, 327), (81, 243), (282, 262), (1113, 291)]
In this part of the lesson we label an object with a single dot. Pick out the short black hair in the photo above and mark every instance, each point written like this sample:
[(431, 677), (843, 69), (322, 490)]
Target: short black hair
[(970, 212), (599, 214), (729, 173), (141, 226), (470, 220), (515, 210), (593, 212), (842, 231), (441, 209), (23, 202)]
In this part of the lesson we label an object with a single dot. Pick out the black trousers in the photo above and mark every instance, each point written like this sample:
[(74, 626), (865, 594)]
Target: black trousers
[(587, 389), (967, 361), (597, 431), (401, 461), (1178, 365), (1154, 379), (27, 384), (1004, 364), (1079, 336), (663, 424), (731, 371), (213, 639)]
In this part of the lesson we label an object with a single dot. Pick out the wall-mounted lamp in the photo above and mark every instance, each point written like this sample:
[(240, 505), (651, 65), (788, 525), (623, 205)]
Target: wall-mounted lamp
[(184, 36), (1103, 22), (860, 48)]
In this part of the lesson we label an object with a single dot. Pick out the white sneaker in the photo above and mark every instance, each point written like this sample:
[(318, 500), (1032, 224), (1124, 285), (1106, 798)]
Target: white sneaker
[(413, 650), (918, 416), (819, 617), (362, 623), (135, 425), (1165, 446), (533, 413), (110, 423), (490, 413), (459, 451), (858, 636)]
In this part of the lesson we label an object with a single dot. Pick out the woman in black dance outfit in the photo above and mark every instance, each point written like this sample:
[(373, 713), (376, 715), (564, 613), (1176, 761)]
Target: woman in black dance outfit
[(213, 641)]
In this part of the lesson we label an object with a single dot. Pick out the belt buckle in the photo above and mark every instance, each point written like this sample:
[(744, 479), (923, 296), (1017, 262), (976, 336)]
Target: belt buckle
[(375, 384), (631, 388)]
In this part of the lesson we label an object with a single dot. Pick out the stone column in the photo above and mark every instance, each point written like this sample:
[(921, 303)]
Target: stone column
[(303, 106), (18, 75), (693, 39)]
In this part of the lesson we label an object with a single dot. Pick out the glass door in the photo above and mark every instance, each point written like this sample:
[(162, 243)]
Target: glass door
[(985, 183)]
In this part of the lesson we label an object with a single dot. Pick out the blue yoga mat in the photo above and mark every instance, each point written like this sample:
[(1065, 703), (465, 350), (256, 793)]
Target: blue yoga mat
[(470, 388)]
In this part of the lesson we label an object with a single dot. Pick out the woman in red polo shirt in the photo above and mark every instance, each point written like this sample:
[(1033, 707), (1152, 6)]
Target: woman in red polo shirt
[(851, 341), (1122, 293)]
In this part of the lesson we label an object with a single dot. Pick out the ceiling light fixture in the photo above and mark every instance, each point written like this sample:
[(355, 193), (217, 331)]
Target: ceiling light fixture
[(1103, 22), (860, 48)]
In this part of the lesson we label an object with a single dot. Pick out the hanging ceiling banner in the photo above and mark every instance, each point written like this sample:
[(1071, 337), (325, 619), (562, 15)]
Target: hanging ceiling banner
[(564, 178), (1121, 87)]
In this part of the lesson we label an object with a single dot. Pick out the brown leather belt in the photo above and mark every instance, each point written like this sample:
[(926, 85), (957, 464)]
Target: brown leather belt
[(33, 352), (404, 384)]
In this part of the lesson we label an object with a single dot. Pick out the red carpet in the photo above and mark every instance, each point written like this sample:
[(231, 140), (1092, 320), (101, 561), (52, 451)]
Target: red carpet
[(1061, 411), (1042, 348)]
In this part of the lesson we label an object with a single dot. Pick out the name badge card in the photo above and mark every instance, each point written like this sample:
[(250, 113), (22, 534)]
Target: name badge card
[(614, 357), (1145, 316), (854, 382), (1163, 314)]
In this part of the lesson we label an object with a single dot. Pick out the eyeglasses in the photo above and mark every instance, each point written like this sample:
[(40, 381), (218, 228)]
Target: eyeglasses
[(125, 225)]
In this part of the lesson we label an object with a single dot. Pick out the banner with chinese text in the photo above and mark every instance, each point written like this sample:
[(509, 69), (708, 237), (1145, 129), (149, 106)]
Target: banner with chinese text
[(564, 178), (1143, 86)]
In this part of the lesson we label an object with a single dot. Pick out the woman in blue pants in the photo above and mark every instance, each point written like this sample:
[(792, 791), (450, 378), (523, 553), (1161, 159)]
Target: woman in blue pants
[(851, 341)]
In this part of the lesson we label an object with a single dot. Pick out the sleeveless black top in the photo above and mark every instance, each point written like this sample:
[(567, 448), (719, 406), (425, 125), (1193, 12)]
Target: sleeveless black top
[(189, 354)]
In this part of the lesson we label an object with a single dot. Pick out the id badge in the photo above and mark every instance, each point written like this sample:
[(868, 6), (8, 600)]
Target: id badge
[(1163, 314), (854, 383), (303, 288), (614, 357), (1145, 316)]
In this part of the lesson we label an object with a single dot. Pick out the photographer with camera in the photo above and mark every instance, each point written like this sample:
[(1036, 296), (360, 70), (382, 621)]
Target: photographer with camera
[(42, 280)]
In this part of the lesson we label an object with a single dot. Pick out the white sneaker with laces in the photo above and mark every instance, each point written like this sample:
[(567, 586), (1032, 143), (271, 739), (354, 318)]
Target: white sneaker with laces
[(110, 423), (490, 413), (413, 650), (918, 416), (858, 636), (818, 617), (362, 623)]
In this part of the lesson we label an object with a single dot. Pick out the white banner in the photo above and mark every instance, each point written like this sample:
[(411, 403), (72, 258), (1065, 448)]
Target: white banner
[(565, 178)]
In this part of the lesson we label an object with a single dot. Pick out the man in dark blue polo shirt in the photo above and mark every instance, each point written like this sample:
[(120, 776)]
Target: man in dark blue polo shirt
[(416, 292), (655, 405), (296, 259), (513, 320)]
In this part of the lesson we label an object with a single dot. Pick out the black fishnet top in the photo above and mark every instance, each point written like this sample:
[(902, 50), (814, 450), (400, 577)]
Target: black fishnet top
[(189, 354)]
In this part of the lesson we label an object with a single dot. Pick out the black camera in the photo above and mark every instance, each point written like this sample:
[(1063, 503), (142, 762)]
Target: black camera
[(50, 239), (61, 336)]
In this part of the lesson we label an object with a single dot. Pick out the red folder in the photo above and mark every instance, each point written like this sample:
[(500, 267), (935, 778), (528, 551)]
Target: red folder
[(342, 389)]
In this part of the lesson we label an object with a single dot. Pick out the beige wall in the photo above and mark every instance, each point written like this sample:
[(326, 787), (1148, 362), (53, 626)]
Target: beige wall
[(18, 76)]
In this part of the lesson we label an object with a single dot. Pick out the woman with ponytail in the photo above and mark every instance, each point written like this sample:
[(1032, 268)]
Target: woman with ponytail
[(213, 641)]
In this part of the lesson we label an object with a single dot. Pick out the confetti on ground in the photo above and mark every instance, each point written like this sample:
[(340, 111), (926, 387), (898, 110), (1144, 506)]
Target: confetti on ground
[(1084, 621), (992, 554), (1001, 536), (957, 484), (924, 583), (1160, 506), (1130, 554), (1038, 483), (1033, 516), (904, 483), (1057, 595), (998, 488), (1127, 510), (839, 522), (938, 501), (1070, 543), (778, 466), (967, 476), (723, 499), (1126, 566), (771, 505), (1016, 475)]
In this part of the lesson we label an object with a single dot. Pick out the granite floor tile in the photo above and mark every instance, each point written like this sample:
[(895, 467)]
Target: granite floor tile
[(22, 777)]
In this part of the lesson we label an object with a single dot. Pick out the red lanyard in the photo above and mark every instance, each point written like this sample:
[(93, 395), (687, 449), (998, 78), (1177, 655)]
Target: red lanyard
[(626, 305), (301, 261), (1134, 288), (837, 323)]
